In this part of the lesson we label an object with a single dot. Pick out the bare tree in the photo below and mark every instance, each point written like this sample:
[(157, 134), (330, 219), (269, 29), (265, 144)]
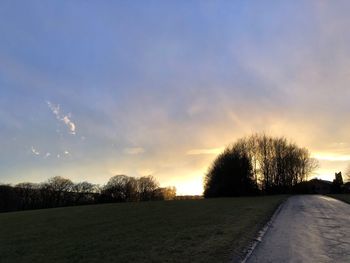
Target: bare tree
[(84, 192), (28, 194), (116, 188), (146, 187), (59, 191), (58, 188), (276, 164), (168, 193), (84, 187)]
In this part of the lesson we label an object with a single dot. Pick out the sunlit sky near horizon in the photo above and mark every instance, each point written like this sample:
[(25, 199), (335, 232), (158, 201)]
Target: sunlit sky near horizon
[(91, 89)]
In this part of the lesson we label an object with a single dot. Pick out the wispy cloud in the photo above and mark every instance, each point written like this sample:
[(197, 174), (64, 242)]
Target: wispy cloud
[(55, 109), (134, 150), (331, 157), (205, 151), (61, 117)]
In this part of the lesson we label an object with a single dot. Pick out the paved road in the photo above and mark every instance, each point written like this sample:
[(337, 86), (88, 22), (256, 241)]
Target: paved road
[(307, 229)]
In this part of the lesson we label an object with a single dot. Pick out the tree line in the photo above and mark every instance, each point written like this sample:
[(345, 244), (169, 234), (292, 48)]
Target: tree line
[(58, 191), (258, 164)]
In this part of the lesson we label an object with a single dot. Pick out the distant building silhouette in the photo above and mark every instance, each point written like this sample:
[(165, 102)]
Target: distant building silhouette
[(318, 186), (338, 178)]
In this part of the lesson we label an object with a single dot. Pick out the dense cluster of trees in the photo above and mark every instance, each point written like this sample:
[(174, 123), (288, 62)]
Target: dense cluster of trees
[(258, 164), (122, 188), (59, 191)]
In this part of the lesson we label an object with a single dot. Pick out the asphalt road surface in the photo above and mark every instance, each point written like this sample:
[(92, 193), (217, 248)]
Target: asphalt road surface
[(307, 229)]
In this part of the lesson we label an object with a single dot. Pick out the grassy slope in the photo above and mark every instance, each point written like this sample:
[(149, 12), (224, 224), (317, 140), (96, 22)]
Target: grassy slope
[(343, 197), (174, 231)]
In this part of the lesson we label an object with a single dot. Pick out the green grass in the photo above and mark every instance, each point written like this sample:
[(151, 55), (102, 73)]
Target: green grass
[(212, 230), (343, 197)]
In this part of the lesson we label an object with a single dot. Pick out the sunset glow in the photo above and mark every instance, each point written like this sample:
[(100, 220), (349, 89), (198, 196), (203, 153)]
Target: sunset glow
[(160, 88)]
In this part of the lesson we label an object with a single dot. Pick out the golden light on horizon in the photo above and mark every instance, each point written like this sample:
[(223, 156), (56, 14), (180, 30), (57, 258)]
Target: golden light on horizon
[(192, 186), (163, 104), (330, 156)]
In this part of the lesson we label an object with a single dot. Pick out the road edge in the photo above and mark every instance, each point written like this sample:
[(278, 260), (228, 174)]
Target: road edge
[(337, 198), (262, 232)]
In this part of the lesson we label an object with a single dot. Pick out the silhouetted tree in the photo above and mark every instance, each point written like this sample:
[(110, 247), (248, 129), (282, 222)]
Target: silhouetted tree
[(165, 193), (131, 190), (29, 195), (84, 192), (146, 188), (57, 190), (9, 200), (122, 188), (115, 189), (84, 187), (276, 166), (230, 175)]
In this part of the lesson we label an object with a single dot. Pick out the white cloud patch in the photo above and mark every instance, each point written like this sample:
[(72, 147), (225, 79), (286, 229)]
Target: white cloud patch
[(35, 151), (66, 119), (134, 150), (70, 124)]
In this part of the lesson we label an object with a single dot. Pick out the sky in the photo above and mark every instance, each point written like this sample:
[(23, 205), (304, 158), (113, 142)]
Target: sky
[(91, 89)]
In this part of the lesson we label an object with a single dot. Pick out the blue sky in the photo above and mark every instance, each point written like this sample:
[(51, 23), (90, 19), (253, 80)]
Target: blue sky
[(90, 89)]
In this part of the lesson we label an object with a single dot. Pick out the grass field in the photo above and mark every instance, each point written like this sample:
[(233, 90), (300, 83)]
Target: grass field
[(343, 197), (212, 230)]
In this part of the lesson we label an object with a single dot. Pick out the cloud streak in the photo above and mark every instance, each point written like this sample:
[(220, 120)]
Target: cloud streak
[(205, 151), (331, 157), (134, 150)]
